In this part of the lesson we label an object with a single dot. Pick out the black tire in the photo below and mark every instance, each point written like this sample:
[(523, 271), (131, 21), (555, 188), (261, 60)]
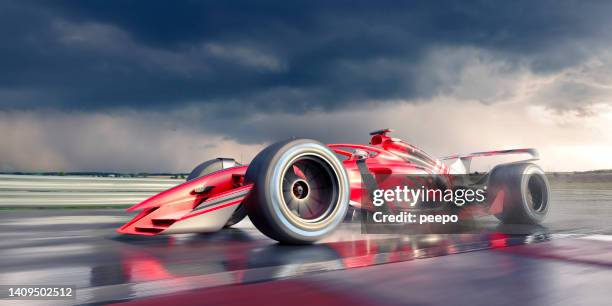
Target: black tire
[(214, 165), (300, 192), (527, 192)]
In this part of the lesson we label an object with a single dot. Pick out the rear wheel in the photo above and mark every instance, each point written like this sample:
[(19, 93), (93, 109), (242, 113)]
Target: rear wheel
[(214, 165), (300, 192), (526, 192)]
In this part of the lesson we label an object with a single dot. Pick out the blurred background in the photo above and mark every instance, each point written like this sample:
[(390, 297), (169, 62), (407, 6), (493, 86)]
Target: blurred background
[(132, 86)]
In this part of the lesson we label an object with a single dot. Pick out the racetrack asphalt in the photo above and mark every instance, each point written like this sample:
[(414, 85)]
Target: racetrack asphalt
[(566, 261)]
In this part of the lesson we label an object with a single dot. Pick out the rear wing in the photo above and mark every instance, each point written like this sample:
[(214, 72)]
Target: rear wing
[(462, 165)]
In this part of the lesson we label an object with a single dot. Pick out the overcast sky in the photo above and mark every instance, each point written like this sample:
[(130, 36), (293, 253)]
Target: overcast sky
[(152, 86)]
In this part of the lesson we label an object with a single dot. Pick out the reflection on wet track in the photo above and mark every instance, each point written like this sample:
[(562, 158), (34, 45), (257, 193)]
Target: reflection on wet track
[(79, 247)]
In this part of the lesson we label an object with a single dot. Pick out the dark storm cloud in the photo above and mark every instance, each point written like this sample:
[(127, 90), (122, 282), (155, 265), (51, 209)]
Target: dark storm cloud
[(286, 56)]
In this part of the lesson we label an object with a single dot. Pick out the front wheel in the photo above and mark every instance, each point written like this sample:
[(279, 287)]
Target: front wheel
[(300, 192)]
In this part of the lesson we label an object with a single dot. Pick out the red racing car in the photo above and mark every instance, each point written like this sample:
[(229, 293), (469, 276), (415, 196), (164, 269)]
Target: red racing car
[(299, 190)]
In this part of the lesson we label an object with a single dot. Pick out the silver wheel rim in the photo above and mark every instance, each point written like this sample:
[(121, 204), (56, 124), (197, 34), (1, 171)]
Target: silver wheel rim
[(536, 194), (309, 189)]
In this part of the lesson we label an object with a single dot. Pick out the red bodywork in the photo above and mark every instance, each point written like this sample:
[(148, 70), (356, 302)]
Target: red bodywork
[(206, 203)]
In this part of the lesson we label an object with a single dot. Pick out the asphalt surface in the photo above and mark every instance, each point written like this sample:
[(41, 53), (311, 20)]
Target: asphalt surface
[(567, 260)]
